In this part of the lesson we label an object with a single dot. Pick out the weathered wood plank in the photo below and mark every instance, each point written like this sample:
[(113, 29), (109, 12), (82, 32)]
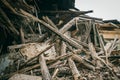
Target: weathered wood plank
[(44, 69), (65, 38)]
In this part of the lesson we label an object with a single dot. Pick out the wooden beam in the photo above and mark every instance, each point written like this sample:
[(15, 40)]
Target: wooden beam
[(68, 12), (74, 69), (44, 69), (65, 38)]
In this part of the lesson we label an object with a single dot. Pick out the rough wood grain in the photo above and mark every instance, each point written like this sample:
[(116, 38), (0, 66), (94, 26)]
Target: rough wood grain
[(44, 69), (74, 69), (65, 38)]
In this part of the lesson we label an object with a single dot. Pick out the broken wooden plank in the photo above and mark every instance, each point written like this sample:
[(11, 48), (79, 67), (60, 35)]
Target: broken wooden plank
[(49, 21), (63, 44), (55, 73), (68, 12), (10, 26), (63, 48), (65, 38), (22, 35), (44, 69), (47, 48), (81, 60), (68, 25), (74, 69), (24, 77)]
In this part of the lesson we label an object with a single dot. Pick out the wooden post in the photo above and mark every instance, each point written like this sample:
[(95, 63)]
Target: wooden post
[(63, 45), (81, 60), (55, 73), (88, 30), (74, 69), (44, 69), (96, 57), (51, 22), (68, 25), (95, 34), (57, 46), (22, 35), (63, 48)]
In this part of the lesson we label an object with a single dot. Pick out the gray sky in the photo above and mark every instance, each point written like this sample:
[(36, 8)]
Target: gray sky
[(106, 9)]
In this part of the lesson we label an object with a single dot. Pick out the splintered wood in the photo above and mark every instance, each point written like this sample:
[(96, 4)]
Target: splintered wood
[(74, 50), (51, 59)]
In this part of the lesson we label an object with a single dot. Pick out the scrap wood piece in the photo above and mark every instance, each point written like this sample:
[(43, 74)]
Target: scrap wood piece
[(11, 26), (81, 43), (17, 46), (88, 29), (81, 60), (92, 50), (106, 48), (96, 57), (37, 65), (60, 45), (81, 12), (1, 47), (113, 45), (68, 25), (64, 69), (22, 35), (42, 37), (70, 48), (100, 37), (29, 7), (6, 76), (23, 70), (102, 45), (115, 52), (46, 18), (62, 57), (24, 77), (74, 69), (57, 46), (44, 69), (63, 45), (9, 6), (65, 38), (63, 48), (95, 34), (38, 25), (100, 40), (56, 64), (67, 12), (55, 73), (59, 58), (112, 57), (47, 48)]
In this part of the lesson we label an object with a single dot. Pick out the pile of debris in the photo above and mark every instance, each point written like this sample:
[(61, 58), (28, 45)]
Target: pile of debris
[(73, 49)]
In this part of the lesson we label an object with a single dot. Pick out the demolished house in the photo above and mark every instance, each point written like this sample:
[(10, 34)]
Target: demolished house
[(47, 40)]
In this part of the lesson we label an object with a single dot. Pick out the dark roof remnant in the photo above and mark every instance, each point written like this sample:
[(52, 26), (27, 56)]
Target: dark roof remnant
[(113, 21), (53, 4)]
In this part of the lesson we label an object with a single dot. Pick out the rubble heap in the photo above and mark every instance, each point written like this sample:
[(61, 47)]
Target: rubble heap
[(55, 45)]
